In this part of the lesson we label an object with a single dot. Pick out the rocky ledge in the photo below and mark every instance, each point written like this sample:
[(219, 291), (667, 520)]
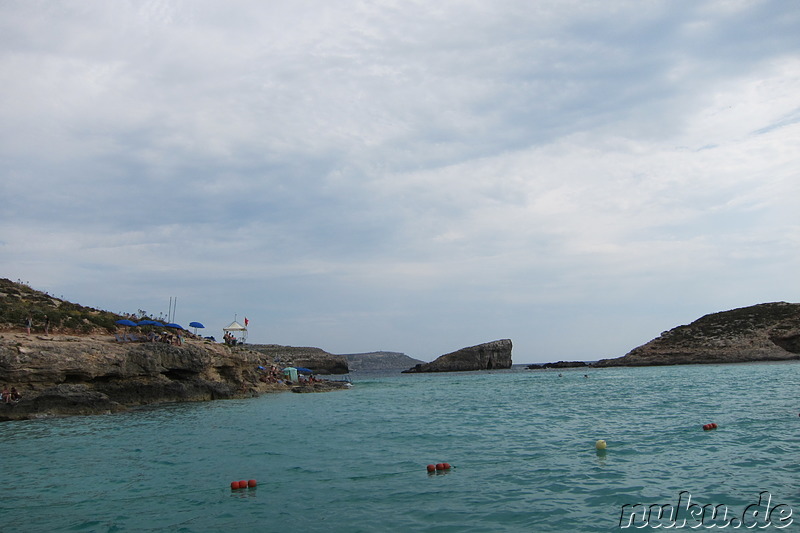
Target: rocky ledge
[(487, 356), (322, 386), (61, 375), (764, 332), (316, 359)]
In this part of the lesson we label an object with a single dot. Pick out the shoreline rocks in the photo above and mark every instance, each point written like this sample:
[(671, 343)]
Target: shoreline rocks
[(319, 360), (62, 375)]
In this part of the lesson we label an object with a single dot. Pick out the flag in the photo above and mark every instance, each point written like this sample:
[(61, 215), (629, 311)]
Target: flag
[(246, 321)]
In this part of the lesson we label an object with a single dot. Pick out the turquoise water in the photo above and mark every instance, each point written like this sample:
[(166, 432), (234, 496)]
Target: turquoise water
[(522, 443)]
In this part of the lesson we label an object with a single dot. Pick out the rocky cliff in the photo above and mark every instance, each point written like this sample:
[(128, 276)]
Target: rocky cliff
[(764, 332), (70, 374), (488, 356)]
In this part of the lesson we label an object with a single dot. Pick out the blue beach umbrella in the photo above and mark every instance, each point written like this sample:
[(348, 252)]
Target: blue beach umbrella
[(125, 322), (150, 323), (173, 325), (196, 325)]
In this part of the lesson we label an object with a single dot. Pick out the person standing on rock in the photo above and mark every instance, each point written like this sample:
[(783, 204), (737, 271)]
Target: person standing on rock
[(46, 325), (28, 324)]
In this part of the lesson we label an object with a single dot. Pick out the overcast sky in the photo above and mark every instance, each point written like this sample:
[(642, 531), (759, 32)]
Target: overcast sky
[(401, 175)]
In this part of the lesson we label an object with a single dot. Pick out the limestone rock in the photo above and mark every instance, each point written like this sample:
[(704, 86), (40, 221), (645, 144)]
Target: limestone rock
[(764, 332), (65, 375), (487, 356)]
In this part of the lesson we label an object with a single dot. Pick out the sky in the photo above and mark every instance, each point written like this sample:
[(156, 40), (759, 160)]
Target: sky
[(409, 176)]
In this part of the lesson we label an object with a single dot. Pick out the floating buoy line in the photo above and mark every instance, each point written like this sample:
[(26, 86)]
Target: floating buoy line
[(438, 467), (249, 484)]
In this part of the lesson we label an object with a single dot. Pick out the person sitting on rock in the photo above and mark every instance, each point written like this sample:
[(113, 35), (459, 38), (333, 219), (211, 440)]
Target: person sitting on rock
[(15, 396), (5, 396)]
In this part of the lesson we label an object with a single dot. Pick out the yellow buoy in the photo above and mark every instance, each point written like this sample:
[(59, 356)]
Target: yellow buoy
[(600, 444)]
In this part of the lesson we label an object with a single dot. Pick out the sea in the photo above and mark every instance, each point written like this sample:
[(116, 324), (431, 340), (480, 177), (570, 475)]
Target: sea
[(522, 445)]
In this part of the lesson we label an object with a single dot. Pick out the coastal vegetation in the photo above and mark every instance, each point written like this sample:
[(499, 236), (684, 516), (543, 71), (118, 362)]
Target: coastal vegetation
[(18, 301)]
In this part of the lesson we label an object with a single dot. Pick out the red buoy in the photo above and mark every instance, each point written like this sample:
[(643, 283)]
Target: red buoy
[(431, 468), (439, 466), (243, 484), (234, 485), (252, 483), (447, 466), (714, 425)]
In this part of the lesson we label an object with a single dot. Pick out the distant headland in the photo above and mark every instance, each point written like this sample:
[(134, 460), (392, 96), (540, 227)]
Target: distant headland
[(763, 332)]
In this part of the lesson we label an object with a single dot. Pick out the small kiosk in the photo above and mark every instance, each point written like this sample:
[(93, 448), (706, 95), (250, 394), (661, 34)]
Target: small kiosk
[(238, 331)]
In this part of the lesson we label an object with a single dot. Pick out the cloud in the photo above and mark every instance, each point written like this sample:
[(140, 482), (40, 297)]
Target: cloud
[(410, 176)]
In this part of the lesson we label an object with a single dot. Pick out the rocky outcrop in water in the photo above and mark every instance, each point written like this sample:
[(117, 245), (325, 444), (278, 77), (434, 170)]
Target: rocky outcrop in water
[(488, 356), (559, 364), (764, 332)]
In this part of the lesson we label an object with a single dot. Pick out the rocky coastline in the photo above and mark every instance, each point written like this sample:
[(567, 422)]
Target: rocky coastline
[(69, 359), (61, 375)]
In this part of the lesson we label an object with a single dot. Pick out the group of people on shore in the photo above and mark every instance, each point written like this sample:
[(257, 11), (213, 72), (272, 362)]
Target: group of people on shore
[(10, 396), (275, 374), (229, 339), (272, 375)]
